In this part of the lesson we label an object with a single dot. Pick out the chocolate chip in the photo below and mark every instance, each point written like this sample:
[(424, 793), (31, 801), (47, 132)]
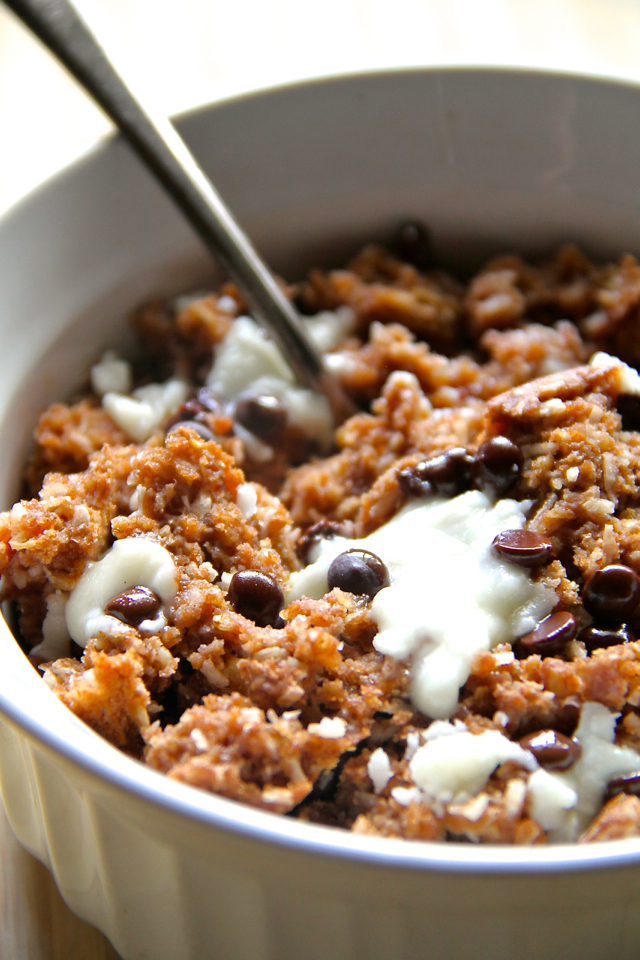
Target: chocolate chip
[(446, 475), (550, 636), (412, 484), (200, 428), (413, 244), (256, 596), (264, 416), (568, 716), (628, 406), (134, 605), (497, 465), (524, 547), (359, 572), (552, 750), (612, 593), (629, 784), (322, 530), (596, 638), (563, 717)]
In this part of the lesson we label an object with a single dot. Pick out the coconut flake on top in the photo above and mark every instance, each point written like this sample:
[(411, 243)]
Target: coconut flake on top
[(629, 378)]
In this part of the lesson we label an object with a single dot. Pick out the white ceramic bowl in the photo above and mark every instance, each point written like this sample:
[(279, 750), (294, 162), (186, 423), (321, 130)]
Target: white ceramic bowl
[(492, 161)]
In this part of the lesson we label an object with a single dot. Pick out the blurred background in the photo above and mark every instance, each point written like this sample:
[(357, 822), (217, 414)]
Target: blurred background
[(180, 53), (177, 54)]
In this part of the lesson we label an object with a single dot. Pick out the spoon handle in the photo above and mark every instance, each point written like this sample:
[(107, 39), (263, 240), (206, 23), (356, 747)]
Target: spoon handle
[(57, 24)]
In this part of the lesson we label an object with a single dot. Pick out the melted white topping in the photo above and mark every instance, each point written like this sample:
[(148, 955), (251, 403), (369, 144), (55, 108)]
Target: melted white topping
[(329, 728), (450, 596), (132, 562), (247, 360), (379, 769), (564, 803), (146, 408), (329, 327), (111, 375), (55, 636), (457, 766), (247, 500)]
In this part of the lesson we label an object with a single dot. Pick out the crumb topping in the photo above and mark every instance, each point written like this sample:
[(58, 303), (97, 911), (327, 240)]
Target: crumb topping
[(248, 603)]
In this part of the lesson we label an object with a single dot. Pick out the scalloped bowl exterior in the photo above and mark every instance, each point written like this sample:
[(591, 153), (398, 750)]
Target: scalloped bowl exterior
[(492, 161)]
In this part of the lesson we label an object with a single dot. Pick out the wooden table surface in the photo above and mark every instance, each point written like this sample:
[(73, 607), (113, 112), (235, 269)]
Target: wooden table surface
[(179, 53)]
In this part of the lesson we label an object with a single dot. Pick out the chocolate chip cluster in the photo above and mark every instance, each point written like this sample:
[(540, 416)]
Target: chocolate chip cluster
[(495, 468)]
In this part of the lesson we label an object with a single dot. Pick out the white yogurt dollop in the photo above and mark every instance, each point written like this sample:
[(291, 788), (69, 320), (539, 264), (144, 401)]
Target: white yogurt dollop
[(456, 767), (247, 360), (450, 596), (131, 562), (564, 803), (146, 408), (111, 375)]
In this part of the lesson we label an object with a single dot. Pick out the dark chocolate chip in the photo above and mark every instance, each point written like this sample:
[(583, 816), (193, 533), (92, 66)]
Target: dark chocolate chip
[(257, 597), (446, 475), (552, 750), (413, 244), (134, 605), (200, 428), (497, 465), (568, 716), (524, 547), (412, 484), (359, 572), (322, 530), (595, 637), (264, 416), (612, 593), (628, 406), (551, 636), (629, 784)]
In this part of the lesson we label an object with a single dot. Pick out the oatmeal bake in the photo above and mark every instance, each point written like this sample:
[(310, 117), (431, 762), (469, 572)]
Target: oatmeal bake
[(421, 624)]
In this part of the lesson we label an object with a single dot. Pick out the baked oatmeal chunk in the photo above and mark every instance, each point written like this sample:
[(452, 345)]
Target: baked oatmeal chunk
[(419, 625)]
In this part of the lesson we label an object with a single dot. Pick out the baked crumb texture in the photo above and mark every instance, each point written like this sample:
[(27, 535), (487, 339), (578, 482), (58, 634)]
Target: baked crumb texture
[(217, 702)]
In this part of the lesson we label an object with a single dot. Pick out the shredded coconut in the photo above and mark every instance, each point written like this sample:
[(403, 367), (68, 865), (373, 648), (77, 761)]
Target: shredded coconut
[(199, 740), (330, 728), (379, 769), (247, 500)]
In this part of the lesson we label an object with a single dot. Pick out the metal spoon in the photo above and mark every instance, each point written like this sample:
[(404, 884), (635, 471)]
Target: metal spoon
[(57, 24)]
